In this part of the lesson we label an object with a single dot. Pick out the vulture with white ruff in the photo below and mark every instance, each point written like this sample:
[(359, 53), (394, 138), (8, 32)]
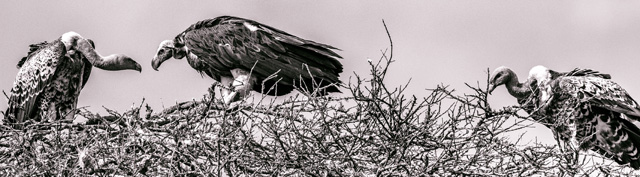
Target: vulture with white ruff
[(52, 75), (526, 93), (586, 110), (246, 55)]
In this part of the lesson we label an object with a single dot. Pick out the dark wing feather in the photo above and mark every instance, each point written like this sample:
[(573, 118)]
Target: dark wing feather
[(601, 92), (225, 43), (35, 74), (579, 72), (32, 48)]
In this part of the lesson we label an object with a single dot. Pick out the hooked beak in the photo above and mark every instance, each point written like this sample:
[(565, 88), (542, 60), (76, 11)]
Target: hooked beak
[(138, 68), (165, 51), (156, 62), (491, 88)]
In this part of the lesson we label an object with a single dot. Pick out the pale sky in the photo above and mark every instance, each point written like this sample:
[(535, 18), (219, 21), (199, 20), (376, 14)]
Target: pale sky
[(435, 42)]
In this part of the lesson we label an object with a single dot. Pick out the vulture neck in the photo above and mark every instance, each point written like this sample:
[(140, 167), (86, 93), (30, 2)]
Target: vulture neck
[(111, 62), (517, 89)]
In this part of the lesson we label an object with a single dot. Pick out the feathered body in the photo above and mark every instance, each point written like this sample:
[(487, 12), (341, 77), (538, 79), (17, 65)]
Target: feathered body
[(531, 103), (52, 75), (273, 57), (591, 112), (48, 83)]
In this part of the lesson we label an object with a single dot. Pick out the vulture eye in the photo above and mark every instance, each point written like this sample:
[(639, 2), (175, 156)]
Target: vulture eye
[(161, 51), (495, 78)]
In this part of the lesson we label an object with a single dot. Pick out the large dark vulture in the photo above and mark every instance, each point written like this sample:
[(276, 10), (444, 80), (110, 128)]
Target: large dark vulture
[(52, 75), (248, 55), (590, 112)]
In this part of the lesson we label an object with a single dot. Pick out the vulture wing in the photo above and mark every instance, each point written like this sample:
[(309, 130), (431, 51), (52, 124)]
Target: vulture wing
[(274, 57), (599, 109), (529, 104), (36, 72), (32, 48), (579, 72), (600, 92)]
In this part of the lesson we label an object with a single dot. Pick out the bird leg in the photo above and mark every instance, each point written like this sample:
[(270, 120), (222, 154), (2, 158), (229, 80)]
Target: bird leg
[(51, 115), (226, 90), (243, 82), (68, 115), (240, 85), (212, 91)]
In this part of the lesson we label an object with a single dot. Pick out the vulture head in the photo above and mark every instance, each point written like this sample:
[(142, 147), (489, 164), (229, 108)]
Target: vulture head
[(118, 62), (114, 62), (74, 42), (505, 76), (500, 76), (168, 49)]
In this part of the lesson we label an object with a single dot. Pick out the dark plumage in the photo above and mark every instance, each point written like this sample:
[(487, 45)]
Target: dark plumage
[(590, 112), (52, 75), (273, 58)]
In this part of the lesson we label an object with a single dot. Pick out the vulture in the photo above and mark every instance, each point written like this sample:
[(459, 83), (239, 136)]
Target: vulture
[(52, 75), (526, 93), (246, 55), (586, 110)]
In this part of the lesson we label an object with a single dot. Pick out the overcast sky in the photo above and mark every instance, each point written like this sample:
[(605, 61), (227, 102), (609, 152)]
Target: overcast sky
[(435, 42)]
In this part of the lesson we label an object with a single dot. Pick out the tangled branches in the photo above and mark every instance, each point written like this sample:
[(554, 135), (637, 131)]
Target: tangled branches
[(376, 130)]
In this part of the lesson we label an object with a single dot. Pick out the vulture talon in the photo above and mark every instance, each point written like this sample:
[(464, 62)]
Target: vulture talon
[(228, 99), (233, 106), (212, 92)]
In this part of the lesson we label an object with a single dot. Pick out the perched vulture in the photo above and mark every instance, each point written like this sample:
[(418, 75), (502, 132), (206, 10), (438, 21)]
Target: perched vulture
[(247, 55), (52, 75), (590, 112), (527, 93)]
